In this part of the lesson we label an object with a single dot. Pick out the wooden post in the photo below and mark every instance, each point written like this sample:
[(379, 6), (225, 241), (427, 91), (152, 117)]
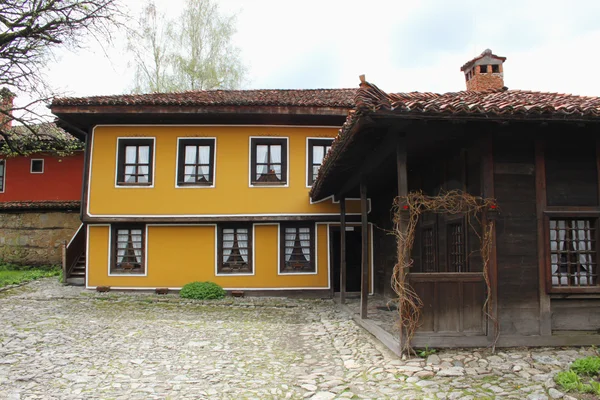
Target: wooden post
[(364, 288), (487, 177), (540, 207), (402, 223), (64, 261), (342, 250)]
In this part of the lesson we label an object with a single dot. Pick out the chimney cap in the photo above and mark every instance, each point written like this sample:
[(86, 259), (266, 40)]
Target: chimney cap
[(486, 53)]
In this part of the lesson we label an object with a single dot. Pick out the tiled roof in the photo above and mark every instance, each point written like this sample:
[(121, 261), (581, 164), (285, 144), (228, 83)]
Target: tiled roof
[(44, 131), (39, 205), (500, 103), (343, 98), (45, 136)]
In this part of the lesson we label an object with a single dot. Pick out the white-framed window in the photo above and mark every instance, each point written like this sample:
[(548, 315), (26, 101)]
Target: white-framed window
[(317, 149)]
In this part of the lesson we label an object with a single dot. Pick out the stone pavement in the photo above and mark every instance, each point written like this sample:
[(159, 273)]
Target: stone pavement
[(67, 343)]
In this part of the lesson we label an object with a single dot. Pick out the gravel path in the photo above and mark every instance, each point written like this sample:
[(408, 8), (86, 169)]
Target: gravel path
[(67, 343)]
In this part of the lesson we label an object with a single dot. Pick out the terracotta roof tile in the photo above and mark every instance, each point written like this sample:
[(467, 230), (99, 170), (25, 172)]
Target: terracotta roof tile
[(343, 98), (39, 205), (500, 103)]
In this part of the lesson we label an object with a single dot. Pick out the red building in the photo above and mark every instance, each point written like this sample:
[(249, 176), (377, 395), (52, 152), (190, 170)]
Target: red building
[(41, 177), (40, 192)]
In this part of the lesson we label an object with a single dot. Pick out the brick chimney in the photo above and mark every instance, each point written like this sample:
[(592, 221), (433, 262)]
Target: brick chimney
[(6, 102), (484, 72)]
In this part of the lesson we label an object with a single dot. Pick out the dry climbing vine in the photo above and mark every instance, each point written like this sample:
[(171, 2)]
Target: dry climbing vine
[(407, 211)]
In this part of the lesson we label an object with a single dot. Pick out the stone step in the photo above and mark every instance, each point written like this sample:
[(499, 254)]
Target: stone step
[(76, 281)]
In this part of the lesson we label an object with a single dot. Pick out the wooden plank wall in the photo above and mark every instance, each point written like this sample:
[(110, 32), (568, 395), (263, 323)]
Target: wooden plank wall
[(514, 178)]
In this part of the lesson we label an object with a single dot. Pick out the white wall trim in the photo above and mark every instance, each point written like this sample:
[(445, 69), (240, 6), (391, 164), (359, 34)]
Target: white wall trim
[(150, 288), (117, 186), (87, 253), (287, 173), (371, 249), (309, 162), (31, 166), (214, 166), (221, 125), (73, 237)]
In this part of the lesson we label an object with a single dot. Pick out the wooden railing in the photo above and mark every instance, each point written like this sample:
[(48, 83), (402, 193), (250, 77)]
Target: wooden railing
[(72, 251), (452, 302)]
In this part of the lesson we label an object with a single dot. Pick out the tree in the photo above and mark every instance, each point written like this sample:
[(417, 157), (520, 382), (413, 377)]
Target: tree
[(30, 30), (192, 52)]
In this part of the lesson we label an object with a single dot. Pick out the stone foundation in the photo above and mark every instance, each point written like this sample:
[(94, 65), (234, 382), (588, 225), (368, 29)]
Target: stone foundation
[(35, 237)]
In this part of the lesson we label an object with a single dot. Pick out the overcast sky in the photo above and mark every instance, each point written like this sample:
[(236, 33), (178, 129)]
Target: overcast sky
[(400, 45)]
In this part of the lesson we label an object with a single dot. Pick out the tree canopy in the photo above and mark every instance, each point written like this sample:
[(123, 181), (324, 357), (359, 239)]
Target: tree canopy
[(29, 31), (191, 52)]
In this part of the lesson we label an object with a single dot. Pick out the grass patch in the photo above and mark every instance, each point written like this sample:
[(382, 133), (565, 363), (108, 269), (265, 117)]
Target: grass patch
[(14, 275), (583, 376)]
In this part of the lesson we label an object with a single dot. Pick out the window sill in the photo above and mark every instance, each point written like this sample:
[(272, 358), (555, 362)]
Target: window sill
[(269, 183), (134, 184), (184, 184), (586, 292), (575, 296)]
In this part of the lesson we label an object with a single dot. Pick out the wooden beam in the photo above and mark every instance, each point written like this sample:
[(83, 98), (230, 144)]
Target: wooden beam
[(540, 207), (372, 160), (364, 288), (401, 166), (487, 177), (342, 250), (402, 175)]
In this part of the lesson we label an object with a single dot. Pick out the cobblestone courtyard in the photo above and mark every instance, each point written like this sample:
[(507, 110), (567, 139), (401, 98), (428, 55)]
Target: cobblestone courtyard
[(68, 343)]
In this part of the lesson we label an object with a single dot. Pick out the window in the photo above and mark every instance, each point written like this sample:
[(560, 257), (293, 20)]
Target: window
[(2, 174), (495, 68), (483, 69), (573, 253), (128, 250), (429, 249), (196, 163), (268, 161), (317, 149), (298, 253), (37, 167), (135, 162), (235, 249), (457, 260)]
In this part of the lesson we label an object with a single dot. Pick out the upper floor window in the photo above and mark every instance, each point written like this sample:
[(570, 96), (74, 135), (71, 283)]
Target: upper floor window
[(268, 161), (196, 163), (37, 167), (128, 250), (317, 149), (235, 249), (573, 258), (135, 157), (298, 253), (2, 174)]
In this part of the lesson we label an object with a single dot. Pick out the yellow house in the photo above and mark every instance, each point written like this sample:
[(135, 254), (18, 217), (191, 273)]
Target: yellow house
[(210, 186)]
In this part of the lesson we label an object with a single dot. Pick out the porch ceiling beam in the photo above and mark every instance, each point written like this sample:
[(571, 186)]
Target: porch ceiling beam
[(375, 158)]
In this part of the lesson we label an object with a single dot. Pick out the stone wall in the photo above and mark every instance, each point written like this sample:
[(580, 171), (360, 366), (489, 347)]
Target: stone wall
[(34, 237)]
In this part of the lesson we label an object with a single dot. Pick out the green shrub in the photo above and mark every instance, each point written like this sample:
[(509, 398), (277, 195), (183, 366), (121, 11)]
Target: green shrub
[(202, 291), (589, 366), (568, 380)]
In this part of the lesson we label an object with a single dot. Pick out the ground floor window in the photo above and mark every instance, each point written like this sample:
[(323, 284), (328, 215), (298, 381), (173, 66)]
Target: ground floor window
[(298, 248), (573, 259), (235, 249), (128, 250)]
